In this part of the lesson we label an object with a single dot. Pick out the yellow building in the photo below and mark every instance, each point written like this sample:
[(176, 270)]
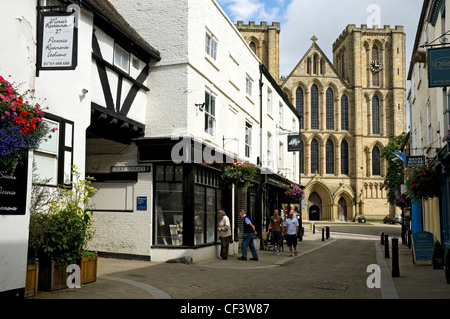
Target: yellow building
[(350, 110)]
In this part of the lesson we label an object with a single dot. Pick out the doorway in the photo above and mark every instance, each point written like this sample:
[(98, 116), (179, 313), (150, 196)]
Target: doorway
[(315, 207), (342, 210)]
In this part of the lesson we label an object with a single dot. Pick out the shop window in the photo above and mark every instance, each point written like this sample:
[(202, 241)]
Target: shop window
[(169, 205)]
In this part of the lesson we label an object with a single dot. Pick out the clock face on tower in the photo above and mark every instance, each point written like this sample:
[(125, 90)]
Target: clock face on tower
[(375, 66)]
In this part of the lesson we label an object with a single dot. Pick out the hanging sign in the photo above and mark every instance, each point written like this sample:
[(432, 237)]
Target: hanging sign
[(438, 67), (57, 41), (415, 161), (294, 143)]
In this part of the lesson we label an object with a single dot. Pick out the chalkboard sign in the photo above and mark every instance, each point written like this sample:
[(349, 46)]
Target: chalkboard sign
[(13, 191), (423, 244)]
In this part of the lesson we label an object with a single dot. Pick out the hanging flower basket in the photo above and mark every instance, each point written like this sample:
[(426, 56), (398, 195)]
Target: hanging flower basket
[(240, 175), (21, 126), (420, 56), (403, 200), (294, 192), (424, 182)]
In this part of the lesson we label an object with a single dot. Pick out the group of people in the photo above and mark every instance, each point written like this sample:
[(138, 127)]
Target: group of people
[(279, 227)]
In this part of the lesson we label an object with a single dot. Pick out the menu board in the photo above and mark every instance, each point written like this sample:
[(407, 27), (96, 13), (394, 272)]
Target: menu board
[(13, 191)]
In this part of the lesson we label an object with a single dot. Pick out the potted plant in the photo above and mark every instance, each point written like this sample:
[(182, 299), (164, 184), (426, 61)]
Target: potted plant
[(32, 277), (361, 219), (21, 126), (438, 256), (88, 267), (403, 200), (424, 182), (294, 192), (447, 265), (240, 175), (420, 56), (60, 235)]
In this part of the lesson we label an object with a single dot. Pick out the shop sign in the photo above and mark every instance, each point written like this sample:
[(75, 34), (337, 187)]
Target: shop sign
[(415, 161), (57, 47), (423, 245), (13, 191), (294, 143), (130, 169), (141, 203), (438, 67)]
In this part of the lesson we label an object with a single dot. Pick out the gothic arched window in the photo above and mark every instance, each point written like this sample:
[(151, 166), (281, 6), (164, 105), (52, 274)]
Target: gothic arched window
[(302, 157), (253, 46), (375, 114), (330, 110), (314, 107), (329, 157), (314, 156), (315, 64), (344, 112), (299, 104), (375, 75), (376, 161), (344, 157)]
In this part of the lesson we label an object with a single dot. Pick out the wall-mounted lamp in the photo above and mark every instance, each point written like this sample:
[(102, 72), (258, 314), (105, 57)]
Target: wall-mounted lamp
[(201, 106), (84, 91)]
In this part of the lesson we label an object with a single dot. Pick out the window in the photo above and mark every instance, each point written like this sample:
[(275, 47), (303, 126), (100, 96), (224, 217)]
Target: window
[(375, 75), (210, 113), (315, 64), (280, 115), (253, 47), (375, 115), (168, 205), (248, 139), (269, 150), (299, 104), (344, 157), (211, 45), (121, 58), (302, 157), (330, 110), (314, 107), (53, 158), (376, 161), (248, 86), (314, 156), (308, 66), (330, 157), (344, 112)]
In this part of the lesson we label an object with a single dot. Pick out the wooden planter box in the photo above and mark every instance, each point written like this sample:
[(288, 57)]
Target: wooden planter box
[(32, 279), (52, 277), (88, 269)]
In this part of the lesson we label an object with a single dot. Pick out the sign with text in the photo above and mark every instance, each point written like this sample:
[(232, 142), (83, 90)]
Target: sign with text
[(438, 67), (294, 143), (130, 169), (415, 161), (58, 41), (13, 191), (423, 245)]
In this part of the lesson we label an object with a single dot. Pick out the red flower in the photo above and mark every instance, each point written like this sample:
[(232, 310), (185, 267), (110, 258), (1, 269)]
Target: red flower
[(24, 113)]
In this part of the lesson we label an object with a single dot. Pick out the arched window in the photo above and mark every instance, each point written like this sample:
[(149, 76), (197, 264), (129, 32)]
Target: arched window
[(302, 157), (314, 156), (330, 110), (253, 46), (314, 107), (299, 104), (344, 112), (344, 157), (308, 66), (375, 75), (330, 157), (315, 64), (376, 161), (375, 114)]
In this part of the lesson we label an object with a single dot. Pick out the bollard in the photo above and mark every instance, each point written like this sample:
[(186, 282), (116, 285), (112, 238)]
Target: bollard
[(409, 238), (323, 234), (328, 232), (314, 228), (395, 263), (386, 246), (382, 238)]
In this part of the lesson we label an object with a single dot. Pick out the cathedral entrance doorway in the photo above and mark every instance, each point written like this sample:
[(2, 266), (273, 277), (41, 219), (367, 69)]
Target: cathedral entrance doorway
[(315, 207), (342, 210)]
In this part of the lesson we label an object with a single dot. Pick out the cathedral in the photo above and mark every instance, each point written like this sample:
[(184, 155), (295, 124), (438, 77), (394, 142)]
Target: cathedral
[(350, 109)]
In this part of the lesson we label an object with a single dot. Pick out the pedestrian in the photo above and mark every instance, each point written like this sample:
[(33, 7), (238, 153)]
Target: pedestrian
[(291, 230), (247, 241), (276, 226), (224, 229)]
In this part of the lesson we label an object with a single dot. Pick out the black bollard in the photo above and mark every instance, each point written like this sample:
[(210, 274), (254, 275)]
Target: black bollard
[(382, 239), (386, 246), (409, 238), (328, 232), (323, 234), (314, 228), (395, 264)]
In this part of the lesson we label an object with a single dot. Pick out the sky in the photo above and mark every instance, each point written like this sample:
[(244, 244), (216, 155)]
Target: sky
[(325, 19)]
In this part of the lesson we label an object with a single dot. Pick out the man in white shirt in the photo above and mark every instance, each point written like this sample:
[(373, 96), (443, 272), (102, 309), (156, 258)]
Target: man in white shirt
[(291, 230)]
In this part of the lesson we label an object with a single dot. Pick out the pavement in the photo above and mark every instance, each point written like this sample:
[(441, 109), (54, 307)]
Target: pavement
[(119, 279)]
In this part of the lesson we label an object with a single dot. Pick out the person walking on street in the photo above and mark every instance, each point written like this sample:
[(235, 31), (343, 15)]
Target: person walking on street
[(224, 229), (247, 241), (276, 225), (291, 229)]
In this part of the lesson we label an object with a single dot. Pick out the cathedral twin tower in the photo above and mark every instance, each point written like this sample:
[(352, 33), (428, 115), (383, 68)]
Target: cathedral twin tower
[(350, 109)]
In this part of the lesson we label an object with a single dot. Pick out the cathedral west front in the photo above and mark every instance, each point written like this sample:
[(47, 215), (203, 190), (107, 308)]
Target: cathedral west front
[(350, 109)]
